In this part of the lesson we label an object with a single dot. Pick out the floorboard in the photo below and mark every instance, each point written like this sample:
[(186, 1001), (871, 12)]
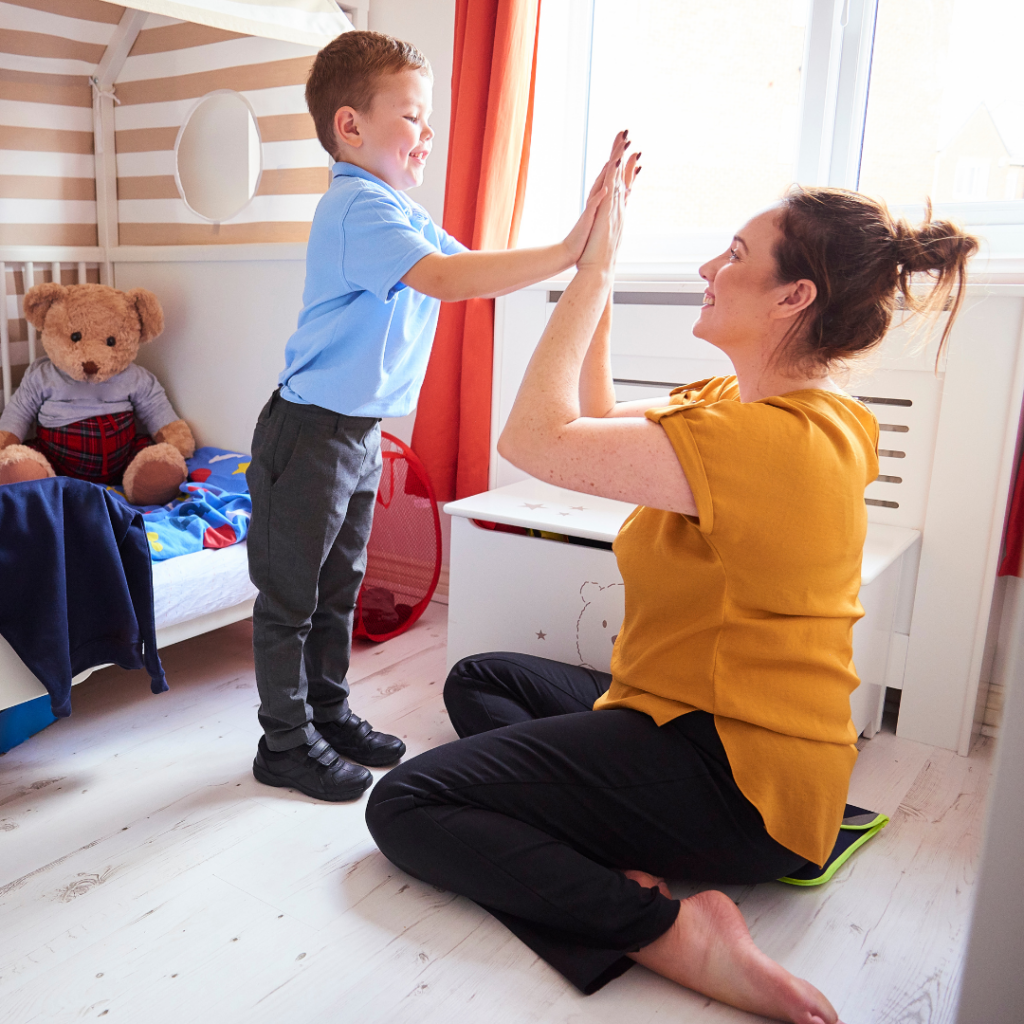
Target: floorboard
[(144, 875)]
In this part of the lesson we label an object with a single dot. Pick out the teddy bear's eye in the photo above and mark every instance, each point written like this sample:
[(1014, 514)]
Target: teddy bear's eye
[(77, 336), (111, 341)]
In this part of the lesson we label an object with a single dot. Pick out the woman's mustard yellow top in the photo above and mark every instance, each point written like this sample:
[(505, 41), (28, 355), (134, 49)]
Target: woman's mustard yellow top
[(746, 610)]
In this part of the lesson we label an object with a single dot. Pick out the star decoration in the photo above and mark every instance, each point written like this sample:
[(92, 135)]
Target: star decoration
[(578, 508), (541, 635), (242, 467), (526, 504)]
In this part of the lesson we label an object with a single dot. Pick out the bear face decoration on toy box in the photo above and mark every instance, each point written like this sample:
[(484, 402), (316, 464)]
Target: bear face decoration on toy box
[(84, 397)]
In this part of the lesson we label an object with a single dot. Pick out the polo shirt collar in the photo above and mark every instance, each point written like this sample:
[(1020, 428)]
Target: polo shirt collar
[(342, 167)]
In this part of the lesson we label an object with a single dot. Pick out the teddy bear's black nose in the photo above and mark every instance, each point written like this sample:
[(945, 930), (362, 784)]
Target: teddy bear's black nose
[(90, 368)]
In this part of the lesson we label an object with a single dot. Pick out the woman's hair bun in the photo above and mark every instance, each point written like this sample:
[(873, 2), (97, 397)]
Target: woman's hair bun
[(934, 245), (861, 260)]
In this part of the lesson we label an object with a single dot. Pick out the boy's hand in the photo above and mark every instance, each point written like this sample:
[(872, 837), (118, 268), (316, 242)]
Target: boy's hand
[(576, 240)]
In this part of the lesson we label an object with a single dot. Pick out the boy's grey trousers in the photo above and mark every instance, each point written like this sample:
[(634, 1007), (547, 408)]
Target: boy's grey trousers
[(313, 480)]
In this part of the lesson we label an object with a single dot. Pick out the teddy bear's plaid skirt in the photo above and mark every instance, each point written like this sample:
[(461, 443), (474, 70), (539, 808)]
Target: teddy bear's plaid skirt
[(97, 449)]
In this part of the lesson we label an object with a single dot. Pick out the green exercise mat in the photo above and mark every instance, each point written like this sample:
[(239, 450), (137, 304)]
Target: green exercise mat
[(858, 826)]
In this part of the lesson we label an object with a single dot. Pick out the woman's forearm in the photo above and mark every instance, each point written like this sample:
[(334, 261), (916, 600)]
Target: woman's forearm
[(597, 390), (549, 396)]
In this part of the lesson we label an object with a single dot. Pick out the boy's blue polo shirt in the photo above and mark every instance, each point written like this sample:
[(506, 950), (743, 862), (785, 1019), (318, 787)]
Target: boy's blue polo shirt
[(363, 339)]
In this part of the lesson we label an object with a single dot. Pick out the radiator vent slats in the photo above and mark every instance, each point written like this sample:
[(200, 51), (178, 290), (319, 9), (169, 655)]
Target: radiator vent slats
[(899, 428), (873, 400), (891, 453), (882, 479), (881, 504)]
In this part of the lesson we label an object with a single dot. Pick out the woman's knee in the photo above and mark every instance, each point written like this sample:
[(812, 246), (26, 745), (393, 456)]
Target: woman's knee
[(389, 799), (464, 689), (462, 680)]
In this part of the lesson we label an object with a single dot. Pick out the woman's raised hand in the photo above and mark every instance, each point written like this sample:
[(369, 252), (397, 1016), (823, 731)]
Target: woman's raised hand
[(616, 181), (577, 238)]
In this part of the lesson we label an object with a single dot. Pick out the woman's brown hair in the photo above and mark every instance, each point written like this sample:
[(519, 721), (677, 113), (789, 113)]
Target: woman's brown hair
[(861, 260)]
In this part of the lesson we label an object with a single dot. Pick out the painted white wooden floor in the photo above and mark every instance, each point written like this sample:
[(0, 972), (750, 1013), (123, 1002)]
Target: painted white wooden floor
[(146, 877)]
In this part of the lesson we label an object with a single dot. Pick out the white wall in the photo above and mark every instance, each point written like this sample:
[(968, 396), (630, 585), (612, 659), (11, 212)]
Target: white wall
[(992, 989)]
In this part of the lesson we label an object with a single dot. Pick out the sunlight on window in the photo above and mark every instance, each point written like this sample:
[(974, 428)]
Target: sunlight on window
[(946, 113), (710, 93)]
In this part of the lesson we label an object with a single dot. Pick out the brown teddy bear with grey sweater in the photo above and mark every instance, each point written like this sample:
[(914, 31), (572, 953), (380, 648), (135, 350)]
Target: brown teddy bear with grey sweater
[(86, 395)]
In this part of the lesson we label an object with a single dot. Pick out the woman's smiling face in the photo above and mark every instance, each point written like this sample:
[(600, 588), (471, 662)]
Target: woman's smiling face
[(743, 297)]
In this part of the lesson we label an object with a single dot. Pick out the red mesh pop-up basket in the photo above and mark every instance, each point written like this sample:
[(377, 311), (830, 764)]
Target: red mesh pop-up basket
[(403, 556)]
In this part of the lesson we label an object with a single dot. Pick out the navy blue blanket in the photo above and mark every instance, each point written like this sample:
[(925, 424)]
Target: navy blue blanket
[(76, 583)]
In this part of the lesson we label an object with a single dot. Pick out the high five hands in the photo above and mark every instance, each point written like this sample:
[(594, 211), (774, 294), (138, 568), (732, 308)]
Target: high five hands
[(613, 183)]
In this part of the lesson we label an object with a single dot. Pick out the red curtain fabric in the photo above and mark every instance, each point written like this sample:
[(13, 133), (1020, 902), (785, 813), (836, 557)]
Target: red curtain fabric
[(493, 74), (1014, 539)]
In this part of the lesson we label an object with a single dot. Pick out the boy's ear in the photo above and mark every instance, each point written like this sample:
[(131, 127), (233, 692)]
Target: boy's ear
[(346, 126)]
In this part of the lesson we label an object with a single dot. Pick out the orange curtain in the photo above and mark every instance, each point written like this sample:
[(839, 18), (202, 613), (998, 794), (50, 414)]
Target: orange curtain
[(494, 68)]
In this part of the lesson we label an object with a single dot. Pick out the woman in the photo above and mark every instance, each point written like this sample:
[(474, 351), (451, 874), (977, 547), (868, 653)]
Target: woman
[(721, 745)]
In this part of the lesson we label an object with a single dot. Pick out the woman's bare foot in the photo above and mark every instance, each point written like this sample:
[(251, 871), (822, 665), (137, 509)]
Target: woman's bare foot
[(709, 949)]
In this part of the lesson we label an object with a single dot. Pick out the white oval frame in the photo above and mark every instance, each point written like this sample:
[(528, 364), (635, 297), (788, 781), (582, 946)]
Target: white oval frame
[(177, 142)]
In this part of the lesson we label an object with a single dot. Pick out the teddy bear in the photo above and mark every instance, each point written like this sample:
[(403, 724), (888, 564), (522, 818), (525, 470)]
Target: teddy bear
[(83, 398)]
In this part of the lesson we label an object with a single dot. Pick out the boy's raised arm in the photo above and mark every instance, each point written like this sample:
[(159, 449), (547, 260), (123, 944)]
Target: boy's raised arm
[(487, 274)]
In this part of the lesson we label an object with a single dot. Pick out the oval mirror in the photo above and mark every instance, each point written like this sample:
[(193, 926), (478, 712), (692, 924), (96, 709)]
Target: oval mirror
[(218, 157)]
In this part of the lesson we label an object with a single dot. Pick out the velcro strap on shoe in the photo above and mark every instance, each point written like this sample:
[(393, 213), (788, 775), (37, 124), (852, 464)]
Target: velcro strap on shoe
[(324, 753)]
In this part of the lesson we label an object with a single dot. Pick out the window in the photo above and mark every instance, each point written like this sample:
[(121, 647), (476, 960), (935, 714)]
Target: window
[(945, 117), (730, 103)]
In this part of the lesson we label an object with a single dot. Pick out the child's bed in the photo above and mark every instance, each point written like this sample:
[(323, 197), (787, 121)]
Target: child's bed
[(194, 592)]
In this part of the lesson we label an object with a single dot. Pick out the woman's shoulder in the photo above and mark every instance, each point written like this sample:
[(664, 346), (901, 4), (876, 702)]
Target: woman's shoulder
[(710, 389), (831, 404)]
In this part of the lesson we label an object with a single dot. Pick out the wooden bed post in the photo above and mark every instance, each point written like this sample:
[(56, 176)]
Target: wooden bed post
[(107, 70)]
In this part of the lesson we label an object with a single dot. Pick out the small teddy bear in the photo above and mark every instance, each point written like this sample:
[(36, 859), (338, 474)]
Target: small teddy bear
[(84, 398)]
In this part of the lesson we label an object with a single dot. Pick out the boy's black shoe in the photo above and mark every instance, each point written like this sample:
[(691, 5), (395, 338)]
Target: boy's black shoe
[(354, 738), (314, 769)]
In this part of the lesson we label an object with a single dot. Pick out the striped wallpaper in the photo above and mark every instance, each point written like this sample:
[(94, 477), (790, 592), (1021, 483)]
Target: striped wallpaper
[(48, 49), (171, 66)]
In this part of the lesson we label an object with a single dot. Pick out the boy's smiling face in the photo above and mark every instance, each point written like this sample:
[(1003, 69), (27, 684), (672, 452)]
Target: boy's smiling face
[(392, 139)]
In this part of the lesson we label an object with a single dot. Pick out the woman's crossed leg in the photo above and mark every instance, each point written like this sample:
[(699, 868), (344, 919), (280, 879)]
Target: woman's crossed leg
[(562, 821)]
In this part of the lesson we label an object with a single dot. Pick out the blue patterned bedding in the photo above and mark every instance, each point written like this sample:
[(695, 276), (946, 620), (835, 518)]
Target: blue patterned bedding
[(212, 510)]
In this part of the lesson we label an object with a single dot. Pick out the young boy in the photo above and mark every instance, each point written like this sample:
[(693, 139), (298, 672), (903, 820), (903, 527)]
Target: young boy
[(376, 268)]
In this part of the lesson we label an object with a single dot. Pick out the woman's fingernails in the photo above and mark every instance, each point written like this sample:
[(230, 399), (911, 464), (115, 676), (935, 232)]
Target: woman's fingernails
[(628, 144), (636, 171), (625, 133), (619, 161), (640, 154)]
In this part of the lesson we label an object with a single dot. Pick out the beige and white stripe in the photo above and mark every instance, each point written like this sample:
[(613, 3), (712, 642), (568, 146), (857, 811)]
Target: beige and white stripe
[(48, 48), (170, 68)]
